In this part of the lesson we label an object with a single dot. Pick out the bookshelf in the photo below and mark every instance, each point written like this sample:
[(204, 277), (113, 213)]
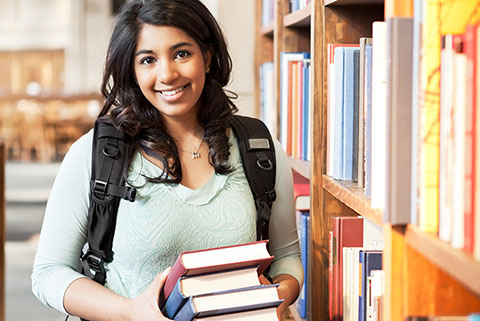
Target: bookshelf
[(424, 275)]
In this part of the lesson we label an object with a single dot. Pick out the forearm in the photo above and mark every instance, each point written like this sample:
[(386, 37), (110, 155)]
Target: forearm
[(90, 300)]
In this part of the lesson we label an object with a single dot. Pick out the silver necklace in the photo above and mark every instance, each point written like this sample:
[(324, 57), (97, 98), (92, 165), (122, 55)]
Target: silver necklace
[(196, 153)]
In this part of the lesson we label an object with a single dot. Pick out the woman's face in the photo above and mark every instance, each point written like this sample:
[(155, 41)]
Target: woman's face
[(170, 70)]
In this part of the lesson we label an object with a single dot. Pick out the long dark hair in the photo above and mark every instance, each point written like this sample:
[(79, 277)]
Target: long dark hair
[(135, 115)]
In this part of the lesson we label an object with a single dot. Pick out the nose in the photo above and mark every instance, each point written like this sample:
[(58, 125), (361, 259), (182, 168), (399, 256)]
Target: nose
[(167, 71)]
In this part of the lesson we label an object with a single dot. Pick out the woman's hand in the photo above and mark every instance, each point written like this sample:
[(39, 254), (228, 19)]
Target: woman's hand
[(145, 307), (287, 290)]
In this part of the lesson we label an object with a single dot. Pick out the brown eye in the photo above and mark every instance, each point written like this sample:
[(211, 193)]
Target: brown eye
[(147, 61), (182, 54)]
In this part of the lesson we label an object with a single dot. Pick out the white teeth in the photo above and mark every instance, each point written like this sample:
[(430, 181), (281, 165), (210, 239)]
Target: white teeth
[(172, 92)]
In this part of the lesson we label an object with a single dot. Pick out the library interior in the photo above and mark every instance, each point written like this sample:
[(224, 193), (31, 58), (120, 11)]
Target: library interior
[(375, 102)]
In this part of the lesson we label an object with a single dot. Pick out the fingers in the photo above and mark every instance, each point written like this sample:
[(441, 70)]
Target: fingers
[(263, 280), (161, 277)]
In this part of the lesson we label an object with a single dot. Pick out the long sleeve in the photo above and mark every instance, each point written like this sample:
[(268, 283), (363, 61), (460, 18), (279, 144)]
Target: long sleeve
[(283, 228), (63, 234)]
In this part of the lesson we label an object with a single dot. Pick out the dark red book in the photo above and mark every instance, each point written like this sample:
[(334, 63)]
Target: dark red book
[(301, 191), (218, 259)]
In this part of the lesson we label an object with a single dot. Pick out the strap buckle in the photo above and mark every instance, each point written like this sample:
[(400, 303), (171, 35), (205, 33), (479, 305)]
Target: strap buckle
[(92, 264), (129, 194), (100, 187)]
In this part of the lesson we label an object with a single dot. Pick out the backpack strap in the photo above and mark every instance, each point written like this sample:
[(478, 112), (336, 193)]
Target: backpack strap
[(258, 157), (110, 156)]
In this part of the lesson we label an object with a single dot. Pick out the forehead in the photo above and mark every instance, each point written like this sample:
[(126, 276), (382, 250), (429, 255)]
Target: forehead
[(152, 36)]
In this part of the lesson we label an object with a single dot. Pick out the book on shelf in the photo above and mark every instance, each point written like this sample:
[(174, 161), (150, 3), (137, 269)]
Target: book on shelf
[(456, 16), (289, 80), (471, 52), (268, 9), (303, 222), (350, 283), (367, 105), (187, 286), (375, 293), (346, 112), (301, 191), (476, 146), (218, 259), (357, 266), (417, 51), (447, 135), (379, 110), (369, 260), (399, 120), (331, 110), (229, 302), (348, 232), (364, 41)]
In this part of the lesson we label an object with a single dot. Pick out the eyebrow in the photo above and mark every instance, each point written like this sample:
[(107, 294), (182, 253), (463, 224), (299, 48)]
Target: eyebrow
[(175, 46)]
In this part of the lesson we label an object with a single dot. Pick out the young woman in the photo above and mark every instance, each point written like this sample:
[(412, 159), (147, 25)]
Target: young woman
[(166, 67)]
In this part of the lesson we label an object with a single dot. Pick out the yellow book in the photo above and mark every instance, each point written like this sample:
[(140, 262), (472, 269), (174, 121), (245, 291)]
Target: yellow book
[(440, 17)]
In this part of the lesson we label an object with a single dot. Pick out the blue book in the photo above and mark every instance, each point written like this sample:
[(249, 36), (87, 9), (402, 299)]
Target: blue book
[(302, 236), (338, 121), (369, 260), (232, 301), (368, 120), (350, 106), (474, 317), (207, 283)]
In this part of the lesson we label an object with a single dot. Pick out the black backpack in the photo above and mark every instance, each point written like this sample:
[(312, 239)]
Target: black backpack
[(110, 155)]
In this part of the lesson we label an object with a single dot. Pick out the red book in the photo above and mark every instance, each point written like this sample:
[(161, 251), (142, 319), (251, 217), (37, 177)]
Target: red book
[(218, 259), (470, 46), (331, 294), (301, 191)]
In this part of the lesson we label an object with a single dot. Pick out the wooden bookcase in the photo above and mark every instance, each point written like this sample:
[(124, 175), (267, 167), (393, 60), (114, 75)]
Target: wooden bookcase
[(424, 275)]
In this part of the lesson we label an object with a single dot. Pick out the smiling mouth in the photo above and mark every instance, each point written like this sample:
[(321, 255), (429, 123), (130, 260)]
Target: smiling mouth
[(172, 92)]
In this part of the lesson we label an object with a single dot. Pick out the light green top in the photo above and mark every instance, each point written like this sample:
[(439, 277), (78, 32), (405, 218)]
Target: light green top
[(164, 221)]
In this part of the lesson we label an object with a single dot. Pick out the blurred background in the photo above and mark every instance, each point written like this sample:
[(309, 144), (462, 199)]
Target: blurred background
[(51, 63)]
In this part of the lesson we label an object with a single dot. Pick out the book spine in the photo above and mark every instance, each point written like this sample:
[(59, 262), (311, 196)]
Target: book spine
[(399, 120), (379, 119), (338, 121), (178, 270), (174, 302), (187, 312)]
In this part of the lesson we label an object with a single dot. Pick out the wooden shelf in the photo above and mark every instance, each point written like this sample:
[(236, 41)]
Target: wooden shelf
[(267, 31), (352, 2), (299, 18), (300, 166), (352, 196), (456, 263)]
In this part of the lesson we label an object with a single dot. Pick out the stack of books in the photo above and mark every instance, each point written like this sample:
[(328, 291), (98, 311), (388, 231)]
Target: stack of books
[(221, 284)]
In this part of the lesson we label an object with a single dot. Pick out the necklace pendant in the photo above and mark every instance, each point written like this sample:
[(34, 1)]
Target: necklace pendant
[(195, 155)]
